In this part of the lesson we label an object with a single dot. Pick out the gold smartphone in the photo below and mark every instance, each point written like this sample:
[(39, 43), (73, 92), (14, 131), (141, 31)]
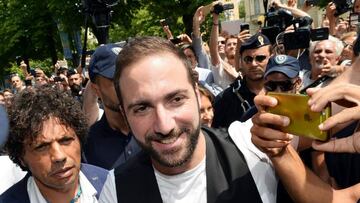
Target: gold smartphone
[(303, 121)]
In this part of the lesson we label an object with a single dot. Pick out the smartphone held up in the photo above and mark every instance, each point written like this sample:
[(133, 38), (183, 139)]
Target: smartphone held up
[(303, 121)]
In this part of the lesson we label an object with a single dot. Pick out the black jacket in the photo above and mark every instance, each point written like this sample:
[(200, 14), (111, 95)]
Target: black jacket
[(228, 177)]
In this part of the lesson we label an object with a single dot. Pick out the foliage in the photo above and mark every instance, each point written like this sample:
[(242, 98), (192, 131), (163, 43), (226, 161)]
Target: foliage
[(242, 9), (30, 27)]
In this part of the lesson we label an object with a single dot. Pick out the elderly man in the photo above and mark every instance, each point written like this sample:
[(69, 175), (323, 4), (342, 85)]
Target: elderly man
[(180, 162), (47, 130), (324, 57)]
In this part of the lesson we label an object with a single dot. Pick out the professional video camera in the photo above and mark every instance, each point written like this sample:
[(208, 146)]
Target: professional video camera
[(300, 38), (276, 21)]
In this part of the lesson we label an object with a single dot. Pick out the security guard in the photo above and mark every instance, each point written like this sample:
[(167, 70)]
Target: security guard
[(233, 102)]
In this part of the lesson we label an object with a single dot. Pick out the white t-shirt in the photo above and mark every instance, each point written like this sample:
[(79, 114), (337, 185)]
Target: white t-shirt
[(221, 77), (259, 163), (188, 187)]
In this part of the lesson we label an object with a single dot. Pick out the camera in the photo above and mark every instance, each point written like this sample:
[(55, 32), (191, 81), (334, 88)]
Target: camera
[(276, 21), (342, 6), (302, 38), (58, 79), (219, 8), (163, 22), (18, 60)]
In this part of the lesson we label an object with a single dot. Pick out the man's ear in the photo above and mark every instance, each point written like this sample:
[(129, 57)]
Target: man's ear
[(298, 84)]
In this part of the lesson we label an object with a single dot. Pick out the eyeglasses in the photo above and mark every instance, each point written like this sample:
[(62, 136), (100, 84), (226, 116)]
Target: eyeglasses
[(285, 85), (258, 58)]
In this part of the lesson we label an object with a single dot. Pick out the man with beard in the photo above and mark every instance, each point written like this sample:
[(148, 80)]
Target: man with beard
[(233, 102), (110, 142), (47, 130), (180, 162), (75, 83)]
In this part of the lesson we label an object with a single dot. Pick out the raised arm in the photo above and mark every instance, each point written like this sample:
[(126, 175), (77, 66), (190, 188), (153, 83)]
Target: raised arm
[(202, 57), (90, 106), (293, 9), (214, 52)]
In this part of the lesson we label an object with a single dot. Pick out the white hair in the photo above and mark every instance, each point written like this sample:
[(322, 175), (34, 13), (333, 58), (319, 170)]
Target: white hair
[(338, 45)]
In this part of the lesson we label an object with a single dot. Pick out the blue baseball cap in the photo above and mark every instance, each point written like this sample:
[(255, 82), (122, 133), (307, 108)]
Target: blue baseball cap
[(285, 64), (103, 60)]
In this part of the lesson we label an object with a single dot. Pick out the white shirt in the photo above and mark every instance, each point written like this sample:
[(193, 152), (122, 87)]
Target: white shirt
[(259, 163), (221, 77), (10, 173), (88, 195), (186, 187)]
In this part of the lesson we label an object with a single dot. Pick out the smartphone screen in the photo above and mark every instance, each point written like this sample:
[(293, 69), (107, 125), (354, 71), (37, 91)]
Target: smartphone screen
[(303, 121)]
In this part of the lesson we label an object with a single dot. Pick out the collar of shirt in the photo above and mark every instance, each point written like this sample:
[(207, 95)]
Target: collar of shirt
[(88, 191)]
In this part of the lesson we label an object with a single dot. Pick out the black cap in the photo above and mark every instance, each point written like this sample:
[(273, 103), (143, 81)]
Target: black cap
[(103, 61), (256, 41), (287, 65)]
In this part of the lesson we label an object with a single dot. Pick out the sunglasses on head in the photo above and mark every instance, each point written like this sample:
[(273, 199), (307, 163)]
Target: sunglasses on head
[(284, 86), (258, 58)]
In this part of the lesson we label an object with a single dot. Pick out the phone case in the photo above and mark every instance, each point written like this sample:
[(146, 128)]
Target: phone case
[(303, 121)]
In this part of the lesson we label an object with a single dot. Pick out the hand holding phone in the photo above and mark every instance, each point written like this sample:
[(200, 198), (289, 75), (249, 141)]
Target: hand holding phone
[(303, 121)]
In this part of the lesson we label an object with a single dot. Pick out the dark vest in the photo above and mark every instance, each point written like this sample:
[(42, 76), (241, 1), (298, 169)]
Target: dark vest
[(228, 177), (18, 192)]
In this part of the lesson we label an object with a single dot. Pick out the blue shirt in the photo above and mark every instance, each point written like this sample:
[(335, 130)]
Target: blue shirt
[(108, 148)]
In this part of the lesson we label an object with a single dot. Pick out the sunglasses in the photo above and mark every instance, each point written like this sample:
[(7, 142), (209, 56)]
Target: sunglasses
[(258, 58), (284, 86)]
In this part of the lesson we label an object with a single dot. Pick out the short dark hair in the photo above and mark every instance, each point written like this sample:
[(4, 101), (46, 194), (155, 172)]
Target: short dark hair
[(31, 107), (140, 47), (230, 37)]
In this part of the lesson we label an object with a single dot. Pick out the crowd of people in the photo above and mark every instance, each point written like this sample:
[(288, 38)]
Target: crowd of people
[(175, 119)]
